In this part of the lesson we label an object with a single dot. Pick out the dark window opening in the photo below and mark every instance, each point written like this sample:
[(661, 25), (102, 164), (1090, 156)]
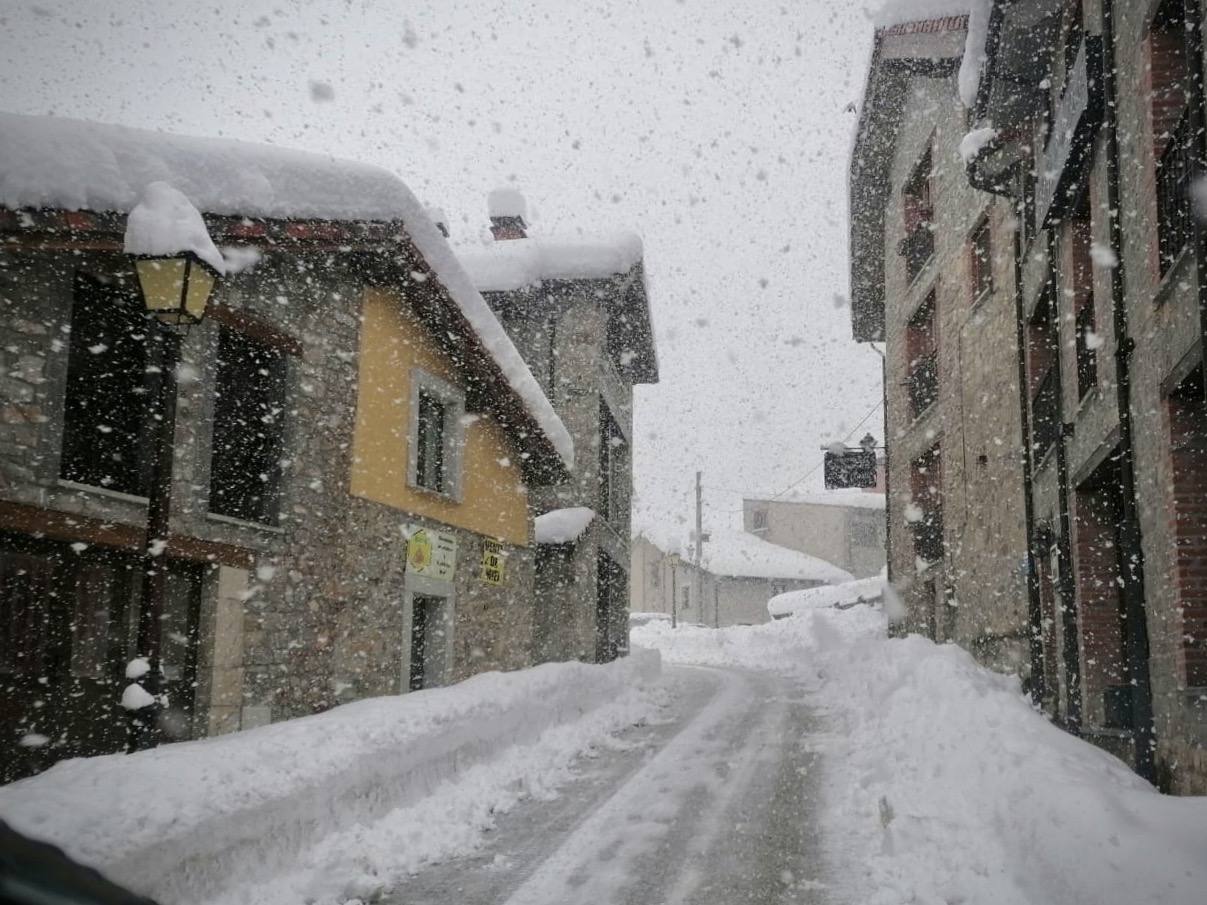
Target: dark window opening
[(1042, 378), (922, 347), (1084, 321), (1188, 455), (612, 466), (926, 491), (429, 448), (918, 246), (1172, 141), (249, 404), (982, 262), (107, 409)]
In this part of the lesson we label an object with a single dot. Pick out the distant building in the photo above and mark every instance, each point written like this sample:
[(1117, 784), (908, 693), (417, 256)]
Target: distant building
[(578, 311), (845, 527), (739, 574)]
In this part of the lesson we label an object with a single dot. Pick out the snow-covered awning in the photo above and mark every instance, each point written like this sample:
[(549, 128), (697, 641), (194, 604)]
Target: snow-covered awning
[(70, 164), (563, 526)]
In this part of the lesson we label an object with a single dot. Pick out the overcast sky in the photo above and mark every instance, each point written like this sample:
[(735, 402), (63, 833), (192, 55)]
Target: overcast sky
[(718, 130)]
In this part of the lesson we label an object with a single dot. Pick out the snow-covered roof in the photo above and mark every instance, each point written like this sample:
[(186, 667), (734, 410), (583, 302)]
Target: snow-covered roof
[(563, 526), (506, 202), (855, 499), (511, 264), (738, 554), (52, 162), (861, 590)]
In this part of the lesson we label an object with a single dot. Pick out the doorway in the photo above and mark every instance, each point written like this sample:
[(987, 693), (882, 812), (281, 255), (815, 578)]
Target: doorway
[(429, 642)]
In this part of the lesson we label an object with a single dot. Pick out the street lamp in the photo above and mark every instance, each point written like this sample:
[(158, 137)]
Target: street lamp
[(176, 287)]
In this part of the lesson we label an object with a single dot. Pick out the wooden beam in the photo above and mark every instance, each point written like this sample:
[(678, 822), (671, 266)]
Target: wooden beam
[(66, 526)]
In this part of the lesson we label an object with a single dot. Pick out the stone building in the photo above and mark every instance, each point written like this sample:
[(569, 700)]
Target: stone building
[(578, 311), (1097, 136), (355, 443), (844, 527), (738, 574), (1083, 135), (932, 279)]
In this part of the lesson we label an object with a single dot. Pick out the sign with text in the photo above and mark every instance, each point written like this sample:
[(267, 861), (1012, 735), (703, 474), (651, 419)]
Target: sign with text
[(494, 562), (850, 468), (432, 554)]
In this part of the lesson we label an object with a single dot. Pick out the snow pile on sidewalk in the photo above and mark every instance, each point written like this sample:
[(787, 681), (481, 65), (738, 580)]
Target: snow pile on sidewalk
[(945, 785), (340, 804)]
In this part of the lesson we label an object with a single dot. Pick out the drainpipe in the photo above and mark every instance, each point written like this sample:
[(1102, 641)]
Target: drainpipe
[(1130, 549), (1071, 653), (1035, 642)]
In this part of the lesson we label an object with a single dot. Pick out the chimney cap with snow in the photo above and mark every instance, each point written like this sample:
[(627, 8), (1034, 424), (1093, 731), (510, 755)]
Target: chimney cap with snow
[(508, 210)]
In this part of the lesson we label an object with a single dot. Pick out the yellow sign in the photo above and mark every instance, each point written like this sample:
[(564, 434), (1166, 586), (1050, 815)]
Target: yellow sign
[(493, 562), (432, 553)]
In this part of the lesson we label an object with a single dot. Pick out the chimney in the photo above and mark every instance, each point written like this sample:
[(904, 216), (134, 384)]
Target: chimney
[(438, 217), (507, 209)]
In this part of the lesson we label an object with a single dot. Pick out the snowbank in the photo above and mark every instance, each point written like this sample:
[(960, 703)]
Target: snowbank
[(73, 164), (945, 785), (364, 793), (515, 263), (849, 593), (563, 526)]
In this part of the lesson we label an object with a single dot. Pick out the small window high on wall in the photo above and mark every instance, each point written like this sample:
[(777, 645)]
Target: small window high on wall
[(249, 420), (1172, 141)]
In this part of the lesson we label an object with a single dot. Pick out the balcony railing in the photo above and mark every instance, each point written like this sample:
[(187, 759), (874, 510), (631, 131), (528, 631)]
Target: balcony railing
[(1174, 171), (1045, 414), (924, 383), (917, 248)]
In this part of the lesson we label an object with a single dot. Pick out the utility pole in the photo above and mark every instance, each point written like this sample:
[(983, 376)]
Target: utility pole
[(699, 560), (674, 594)]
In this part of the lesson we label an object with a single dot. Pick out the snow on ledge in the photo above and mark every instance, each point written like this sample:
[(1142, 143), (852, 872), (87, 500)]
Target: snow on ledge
[(563, 526), (976, 141), (511, 264), (73, 164), (969, 78)]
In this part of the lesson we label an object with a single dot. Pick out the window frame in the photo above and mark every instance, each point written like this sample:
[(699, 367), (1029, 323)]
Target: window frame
[(453, 400), (980, 271)]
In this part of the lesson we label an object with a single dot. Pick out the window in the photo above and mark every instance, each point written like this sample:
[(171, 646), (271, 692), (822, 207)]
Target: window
[(249, 404), (1172, 141), (429, 444), (613, 467), (981, 264), (926, 491), (918, 246), (1042, 377), (1082, 291), (1188, 455), (437, 435), (758, 520), (106, 412), (921, 340)]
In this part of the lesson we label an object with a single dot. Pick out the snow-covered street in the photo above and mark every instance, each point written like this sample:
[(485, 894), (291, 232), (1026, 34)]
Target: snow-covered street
[(715, 804)]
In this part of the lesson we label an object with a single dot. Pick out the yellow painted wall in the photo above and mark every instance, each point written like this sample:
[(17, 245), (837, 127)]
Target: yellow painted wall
[(494, 498)]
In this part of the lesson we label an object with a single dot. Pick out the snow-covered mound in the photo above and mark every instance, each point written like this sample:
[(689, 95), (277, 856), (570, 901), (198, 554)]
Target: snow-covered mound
[(849, 593), (946, 785), (341, 804)]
